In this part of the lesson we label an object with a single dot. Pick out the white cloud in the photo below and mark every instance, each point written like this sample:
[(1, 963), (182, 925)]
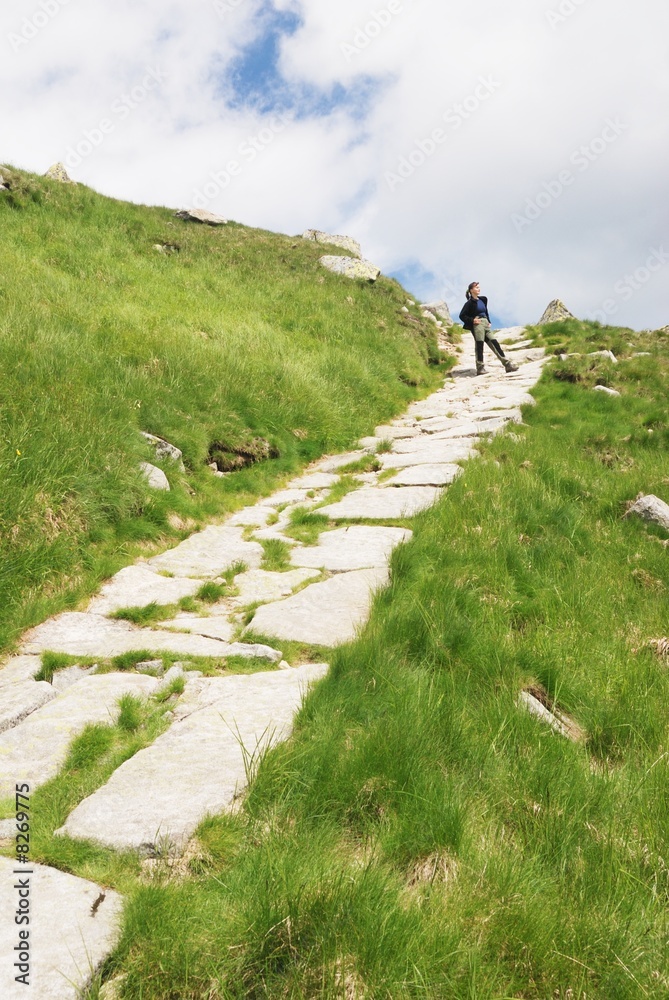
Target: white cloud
[(551, 90)]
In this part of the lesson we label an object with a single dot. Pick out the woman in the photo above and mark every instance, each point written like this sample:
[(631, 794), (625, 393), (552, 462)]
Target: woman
[(476, 319)]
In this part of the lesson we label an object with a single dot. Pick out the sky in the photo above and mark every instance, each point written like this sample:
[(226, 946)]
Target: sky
[(523, 144)]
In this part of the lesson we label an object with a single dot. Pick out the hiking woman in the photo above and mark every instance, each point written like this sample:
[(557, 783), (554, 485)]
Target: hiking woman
[(476, 319)]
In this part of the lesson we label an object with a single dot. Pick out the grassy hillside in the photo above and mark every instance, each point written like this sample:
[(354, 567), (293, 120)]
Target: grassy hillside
[(422, 836), (226, 336)]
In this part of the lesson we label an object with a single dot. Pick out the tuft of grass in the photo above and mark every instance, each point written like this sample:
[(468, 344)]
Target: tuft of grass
[(211, 592), (130, 716), (277, 555), (175, 687), (51, 662), (368, 463), (147, 615), (306, 525)]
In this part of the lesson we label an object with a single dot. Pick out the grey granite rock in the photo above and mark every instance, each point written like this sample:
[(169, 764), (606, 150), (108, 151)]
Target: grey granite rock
[(426, 475), (154, 799), (19, 700), (165, 450), (209, 553), (259, 586), (347, 243), (65, 678), (74, 926), (355, 547), (350, 267), (58, 173), (213, 627), (155, 477), (379, 504), (439, 310), (555, 311), (201, 215), (605, 389), (651, 508), (139, 585), (19, 668), (429, 452), (325, 614), (314, 481)]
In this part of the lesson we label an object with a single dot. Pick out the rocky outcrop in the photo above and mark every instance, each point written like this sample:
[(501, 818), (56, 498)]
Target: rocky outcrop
[(554, 312), (651, 508), (350, 267), (439, 310), (164, 450), (201, 215), (58, 173), (4, 185), (347, 243)]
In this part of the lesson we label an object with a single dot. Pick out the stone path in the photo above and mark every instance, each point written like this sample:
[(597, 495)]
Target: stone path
[(220, 725)]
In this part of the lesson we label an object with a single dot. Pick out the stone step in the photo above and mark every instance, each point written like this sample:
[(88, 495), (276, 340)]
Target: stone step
[(324, 614), (355, 547), (426, 475), (209, 553), (431, 453), (198, 767), (74, 926), (383, 504), (138, 586)]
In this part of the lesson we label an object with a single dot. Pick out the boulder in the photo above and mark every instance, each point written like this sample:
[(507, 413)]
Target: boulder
[(343, 242), (554, 312), (349, 267), (58, 173), (200, 215), (154, 476), (164, 450), (439, 310), (4, 184), (652, 509)]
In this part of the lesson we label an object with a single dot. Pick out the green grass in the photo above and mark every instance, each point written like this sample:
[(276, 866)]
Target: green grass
[(276, 557), (421, 836), (51, 662), (146, 615), (238, 337), (306, 525)]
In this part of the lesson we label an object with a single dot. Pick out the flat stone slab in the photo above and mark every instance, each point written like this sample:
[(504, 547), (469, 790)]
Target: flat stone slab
[(19, 668), (324, 614), (314, 481), (393, 432), (197, 768), (93, 635), (285, 497), (67, 676), (209, 553), (259, 586), (379, 504), (253, 516), (214, 627), (426, 475), (34, 750), (335, 462), (355, 547), (275, 533), (138, 586), (19, 700), (74, 926), (433, 453)]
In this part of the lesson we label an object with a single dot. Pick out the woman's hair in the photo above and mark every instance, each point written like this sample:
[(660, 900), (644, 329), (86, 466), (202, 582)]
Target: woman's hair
[(469, 288)]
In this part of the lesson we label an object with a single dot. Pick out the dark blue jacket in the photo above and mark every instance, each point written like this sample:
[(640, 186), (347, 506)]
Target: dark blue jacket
[(470, 310)]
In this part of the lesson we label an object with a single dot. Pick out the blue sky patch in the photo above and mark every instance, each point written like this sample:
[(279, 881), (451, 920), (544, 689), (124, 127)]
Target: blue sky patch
[(253, 78)]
